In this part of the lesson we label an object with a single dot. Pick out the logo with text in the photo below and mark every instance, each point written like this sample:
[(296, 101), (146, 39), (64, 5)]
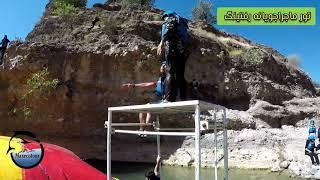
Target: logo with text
[(32, 152)]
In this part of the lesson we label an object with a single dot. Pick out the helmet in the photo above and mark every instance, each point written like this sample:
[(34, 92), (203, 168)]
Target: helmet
[(311, 137), (168, 13), (312, 120)]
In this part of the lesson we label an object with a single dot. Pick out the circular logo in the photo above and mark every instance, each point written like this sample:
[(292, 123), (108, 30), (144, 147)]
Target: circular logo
[(31, 154)]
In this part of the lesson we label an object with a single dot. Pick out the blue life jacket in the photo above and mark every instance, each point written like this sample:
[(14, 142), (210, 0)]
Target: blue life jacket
[(312, 129), (181, 29), (159, 90), (311, 145)]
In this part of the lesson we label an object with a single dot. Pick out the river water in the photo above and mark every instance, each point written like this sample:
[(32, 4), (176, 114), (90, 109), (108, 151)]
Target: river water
[(136, 171)]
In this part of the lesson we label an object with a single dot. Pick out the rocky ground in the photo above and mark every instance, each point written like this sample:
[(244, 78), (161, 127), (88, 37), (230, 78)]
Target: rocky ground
[(274, 149)]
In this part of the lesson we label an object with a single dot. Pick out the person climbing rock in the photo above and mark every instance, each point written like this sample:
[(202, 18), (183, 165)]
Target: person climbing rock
[(312, 127), (159, 86), (155, 173), (4, 44), (309, 150), (173, 49), (94, 22)]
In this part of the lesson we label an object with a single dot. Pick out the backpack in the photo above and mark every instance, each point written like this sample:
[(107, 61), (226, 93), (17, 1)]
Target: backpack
[(312, 129), (311, 145), (175, 30), (159, 90)]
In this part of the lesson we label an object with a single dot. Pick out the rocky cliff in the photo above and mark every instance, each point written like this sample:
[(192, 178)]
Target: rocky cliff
[(92, 60)]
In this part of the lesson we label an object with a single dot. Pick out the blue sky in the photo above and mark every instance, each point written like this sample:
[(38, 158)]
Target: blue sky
[(303, 41)]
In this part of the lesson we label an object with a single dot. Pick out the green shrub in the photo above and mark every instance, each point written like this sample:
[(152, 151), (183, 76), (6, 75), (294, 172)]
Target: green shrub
[(76, 3), (235, 53), (68, 7), (39, 85), (203, 13), (110, 25), (253, 57), (140, 4)]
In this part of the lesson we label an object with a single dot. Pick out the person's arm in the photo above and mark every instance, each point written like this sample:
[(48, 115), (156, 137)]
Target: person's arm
[(306, 147), (147, 84), (157, 167), (161, 44), (160, 47)]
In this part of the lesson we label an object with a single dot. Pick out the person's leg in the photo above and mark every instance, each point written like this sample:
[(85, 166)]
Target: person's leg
[(170, 82), (181, 81), (316, 158), (148, 117), (141, 120), (1, 54), (311, 157), (170, 87)]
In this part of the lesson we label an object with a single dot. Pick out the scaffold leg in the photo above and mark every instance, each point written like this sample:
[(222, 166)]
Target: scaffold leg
[(109, 132), (197, 143)]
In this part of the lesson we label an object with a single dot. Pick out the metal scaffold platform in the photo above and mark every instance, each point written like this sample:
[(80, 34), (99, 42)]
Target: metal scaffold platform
[(200, 127)]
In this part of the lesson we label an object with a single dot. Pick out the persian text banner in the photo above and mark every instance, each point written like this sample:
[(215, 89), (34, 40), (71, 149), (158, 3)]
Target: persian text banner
[(266, 16)]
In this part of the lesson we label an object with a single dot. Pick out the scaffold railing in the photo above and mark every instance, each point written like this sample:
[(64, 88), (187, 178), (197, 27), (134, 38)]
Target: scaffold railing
[(200, 127)]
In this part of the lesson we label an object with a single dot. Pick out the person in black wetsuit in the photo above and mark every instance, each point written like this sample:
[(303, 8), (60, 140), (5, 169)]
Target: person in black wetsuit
[(155, 173), (173, 48), (4, 44)]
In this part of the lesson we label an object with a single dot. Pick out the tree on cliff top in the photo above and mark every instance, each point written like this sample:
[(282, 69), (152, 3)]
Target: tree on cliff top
[(203, 13), (75, 3), (138, 3), (68, 7)]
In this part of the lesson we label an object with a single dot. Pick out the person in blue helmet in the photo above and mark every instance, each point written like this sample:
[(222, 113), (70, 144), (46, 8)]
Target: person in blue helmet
[(312, 127), (159, 89), (310, 150), (173, 49)]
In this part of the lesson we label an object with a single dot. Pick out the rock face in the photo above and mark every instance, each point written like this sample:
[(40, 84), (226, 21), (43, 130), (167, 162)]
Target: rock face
[(92, 61)]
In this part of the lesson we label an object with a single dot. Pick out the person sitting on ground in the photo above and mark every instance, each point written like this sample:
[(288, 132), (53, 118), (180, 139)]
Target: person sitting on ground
[(159, 93), (309, 149), (312, 128), (4, 44), (154, 174)]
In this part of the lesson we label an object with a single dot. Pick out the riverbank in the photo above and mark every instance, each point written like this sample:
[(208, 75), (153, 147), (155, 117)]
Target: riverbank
[(274, 149)]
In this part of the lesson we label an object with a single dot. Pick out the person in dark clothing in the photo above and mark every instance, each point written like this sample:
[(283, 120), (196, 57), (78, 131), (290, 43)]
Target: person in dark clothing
[(195, 89), (155, 173), (4, 44), (94, 22), (309, 150), (174, 39)]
